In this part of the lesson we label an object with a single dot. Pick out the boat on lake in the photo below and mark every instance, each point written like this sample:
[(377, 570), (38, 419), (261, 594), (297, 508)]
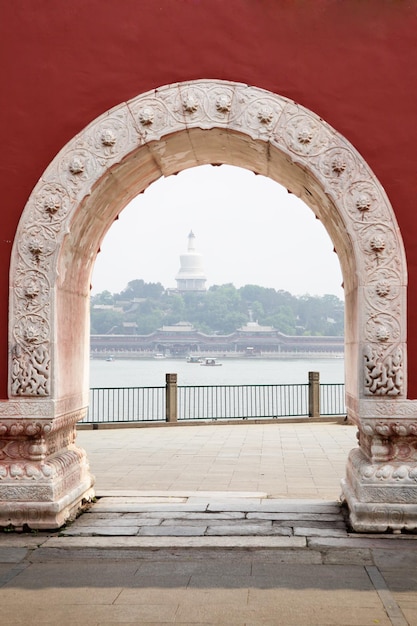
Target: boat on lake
[(211, 362), (194, 359), (159, 355)]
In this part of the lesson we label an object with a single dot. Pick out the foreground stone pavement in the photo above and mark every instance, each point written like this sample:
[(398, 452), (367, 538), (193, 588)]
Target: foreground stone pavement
[(195, 560), (196, 556)]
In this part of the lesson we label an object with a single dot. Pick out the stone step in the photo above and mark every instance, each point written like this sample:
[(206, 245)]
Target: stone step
[(195, 516)]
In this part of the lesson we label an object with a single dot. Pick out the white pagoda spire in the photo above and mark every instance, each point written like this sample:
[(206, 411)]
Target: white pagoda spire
[(191, 242), (191, 276)]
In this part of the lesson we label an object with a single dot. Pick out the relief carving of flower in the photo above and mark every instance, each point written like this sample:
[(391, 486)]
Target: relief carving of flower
[(76, 165), (190, 104), (31, 289), (35, 247), (383, 288), (377, 243), (383, 333), (338, 164), (108, 138), (31, 334), (265, 115), (363, 203), (305, 135), (52, 204), (223, 103), (146, 116)]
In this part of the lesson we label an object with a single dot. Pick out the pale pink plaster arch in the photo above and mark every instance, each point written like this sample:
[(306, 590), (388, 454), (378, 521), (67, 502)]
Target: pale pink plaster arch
[(157, 134)]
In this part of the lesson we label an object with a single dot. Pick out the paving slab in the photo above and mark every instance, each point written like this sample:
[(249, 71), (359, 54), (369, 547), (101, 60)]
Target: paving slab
[(23, 540), (383, 542), (191, 515), (86, 614), (276, 506), (103, 507), (313, 531), (12, 554), (172, 531), (211, 521), (297, 517), (116, 493), (132, 543), (103, 521), (397, 556), (91, 531), (248, 529), (348, 556), (144, 498)]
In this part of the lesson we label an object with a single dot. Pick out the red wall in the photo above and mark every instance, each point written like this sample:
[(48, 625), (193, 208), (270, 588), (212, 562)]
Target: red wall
[(353, 62)]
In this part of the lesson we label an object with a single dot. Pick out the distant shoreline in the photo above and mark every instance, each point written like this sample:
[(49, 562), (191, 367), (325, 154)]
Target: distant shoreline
[(234, 356)]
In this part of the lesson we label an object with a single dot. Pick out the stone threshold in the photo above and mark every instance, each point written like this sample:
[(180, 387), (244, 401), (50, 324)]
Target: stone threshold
[(216, 519)]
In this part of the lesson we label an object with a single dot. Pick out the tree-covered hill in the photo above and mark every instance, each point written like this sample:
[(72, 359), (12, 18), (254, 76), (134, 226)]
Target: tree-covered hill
[(141, 308)]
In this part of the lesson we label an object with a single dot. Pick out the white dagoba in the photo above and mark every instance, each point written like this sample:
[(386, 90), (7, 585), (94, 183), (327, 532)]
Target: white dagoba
[(191, 275)]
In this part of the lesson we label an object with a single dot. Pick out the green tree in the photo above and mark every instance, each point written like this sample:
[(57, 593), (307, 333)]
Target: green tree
[(222, 309), (174, 308), (106, 322), (104, 297), (283, 320), (139, 289), (149, 322)]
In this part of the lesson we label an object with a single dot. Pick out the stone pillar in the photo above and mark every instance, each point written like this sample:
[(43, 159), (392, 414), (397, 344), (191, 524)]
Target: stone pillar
[(314, 394), (171, 398)]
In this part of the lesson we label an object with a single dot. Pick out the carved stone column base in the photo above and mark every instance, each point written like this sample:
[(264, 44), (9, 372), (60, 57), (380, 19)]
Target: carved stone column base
[(380, 496), (49, 498)]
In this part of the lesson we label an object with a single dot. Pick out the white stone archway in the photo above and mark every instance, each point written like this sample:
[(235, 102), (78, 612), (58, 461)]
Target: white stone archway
[(43, 475)]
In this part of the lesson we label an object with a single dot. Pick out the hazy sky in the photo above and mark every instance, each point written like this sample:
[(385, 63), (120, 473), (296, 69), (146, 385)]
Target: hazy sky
[(249, 229)]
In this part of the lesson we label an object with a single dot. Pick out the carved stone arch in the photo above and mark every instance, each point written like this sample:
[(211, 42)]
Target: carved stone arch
[(116, 157)]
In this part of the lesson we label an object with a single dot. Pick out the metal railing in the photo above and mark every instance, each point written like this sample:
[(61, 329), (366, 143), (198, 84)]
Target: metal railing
[(126, 404), (216, 402), (332, 399), (242, 401)]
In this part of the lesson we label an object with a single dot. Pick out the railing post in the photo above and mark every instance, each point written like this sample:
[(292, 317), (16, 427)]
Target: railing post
[(314, 394), (171, 398)]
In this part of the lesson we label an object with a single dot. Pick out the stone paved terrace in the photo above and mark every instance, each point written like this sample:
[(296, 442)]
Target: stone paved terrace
[(282, 460)]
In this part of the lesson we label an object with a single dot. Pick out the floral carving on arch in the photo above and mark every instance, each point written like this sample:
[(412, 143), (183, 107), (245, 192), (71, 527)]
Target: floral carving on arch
[(306, 141)]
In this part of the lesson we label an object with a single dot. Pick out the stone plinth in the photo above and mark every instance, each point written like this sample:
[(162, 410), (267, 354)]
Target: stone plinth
[(380, 487), (44, 476)]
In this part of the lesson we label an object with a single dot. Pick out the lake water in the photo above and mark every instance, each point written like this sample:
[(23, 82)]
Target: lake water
[(151, 372)]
